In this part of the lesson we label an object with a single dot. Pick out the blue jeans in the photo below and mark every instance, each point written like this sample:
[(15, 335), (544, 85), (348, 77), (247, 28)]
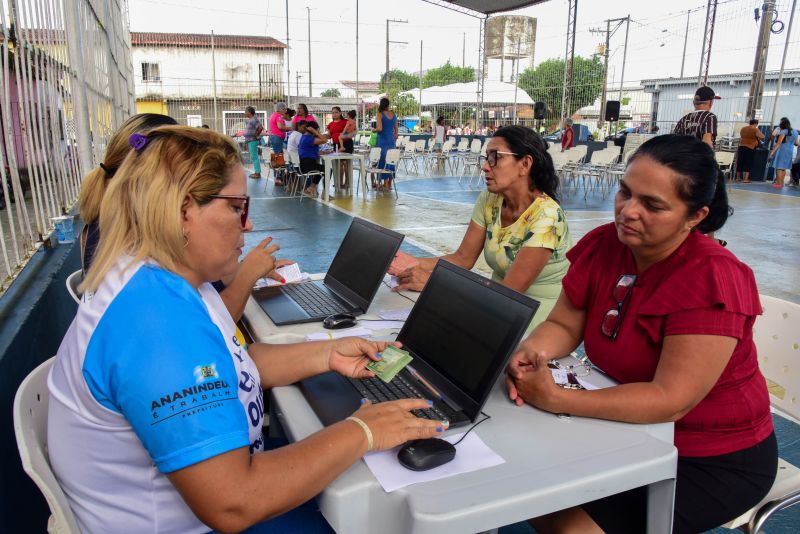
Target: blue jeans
[(276, 143), (252, 147)]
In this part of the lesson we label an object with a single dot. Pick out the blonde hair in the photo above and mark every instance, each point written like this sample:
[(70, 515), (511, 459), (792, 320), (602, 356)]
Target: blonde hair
[(141, 212), (95, 182)]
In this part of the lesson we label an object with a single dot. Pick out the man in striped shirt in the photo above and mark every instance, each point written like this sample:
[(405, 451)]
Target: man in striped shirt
[(701, 122)]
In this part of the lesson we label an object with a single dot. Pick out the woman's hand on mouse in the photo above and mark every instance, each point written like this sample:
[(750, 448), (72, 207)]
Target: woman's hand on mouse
[(392, 423), (349, 355)]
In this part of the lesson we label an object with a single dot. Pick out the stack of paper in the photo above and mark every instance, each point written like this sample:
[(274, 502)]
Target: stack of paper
[(291, 273)]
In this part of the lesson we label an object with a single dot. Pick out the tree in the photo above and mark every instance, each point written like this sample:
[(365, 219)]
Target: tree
[(397, 80), (332, 92), (447, 74), (545, 83)]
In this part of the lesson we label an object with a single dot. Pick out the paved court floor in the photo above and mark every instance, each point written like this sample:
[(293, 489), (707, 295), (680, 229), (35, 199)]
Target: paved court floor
[(433, 212)]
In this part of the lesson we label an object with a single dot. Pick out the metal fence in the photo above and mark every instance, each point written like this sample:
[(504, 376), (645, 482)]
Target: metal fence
[(66, 84)]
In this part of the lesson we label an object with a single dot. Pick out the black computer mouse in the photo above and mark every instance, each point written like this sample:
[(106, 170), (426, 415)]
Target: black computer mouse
[(339, 320), (424, 454)]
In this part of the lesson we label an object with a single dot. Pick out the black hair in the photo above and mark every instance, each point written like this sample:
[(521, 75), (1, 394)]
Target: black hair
[(785, 124), (440, 120), (300, 123), (525, 142), (290, 112), (337, 108), (312, 124), (383, 105), (206, 127), (352, 114), (753, 122), (250, 109), (702, 182), (305, 109)]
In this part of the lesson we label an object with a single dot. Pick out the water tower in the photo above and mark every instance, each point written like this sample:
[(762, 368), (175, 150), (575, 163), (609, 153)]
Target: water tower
[(510, 37)]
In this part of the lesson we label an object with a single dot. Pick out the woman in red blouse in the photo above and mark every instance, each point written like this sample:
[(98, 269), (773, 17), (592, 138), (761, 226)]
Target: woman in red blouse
[(668, 313), (568, 137), (335, 129)]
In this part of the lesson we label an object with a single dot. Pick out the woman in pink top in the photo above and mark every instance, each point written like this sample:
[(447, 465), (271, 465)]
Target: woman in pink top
[(303, 114)]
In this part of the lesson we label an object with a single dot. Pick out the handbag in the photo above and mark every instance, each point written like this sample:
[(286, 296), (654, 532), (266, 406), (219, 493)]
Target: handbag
[(276, 160)]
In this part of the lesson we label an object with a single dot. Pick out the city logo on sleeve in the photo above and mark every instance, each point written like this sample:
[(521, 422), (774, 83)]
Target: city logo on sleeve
[(207, 392)]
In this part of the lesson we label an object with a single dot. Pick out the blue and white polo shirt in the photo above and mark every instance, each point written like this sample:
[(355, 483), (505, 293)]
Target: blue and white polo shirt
[(150, 378)]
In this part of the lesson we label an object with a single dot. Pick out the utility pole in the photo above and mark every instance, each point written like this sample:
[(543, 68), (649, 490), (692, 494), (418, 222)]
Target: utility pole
[(386, 75), (288, 72), (516, 80), (308, 15), (609, 32), (760, 65), (464, 50), (214, 80), (420, 85), (569, 58), (358, 88), (783, 63), (624, 56), (685, 39), (708, 38)]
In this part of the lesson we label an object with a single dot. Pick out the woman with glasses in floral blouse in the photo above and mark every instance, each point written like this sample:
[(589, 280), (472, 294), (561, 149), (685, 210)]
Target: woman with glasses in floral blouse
[(669, 314), (517, 223)]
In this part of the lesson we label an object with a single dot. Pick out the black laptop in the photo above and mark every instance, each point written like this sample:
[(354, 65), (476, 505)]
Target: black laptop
[(461, 333), (349, 286)]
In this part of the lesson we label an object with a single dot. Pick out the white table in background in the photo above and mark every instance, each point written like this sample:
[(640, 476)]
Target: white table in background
[(551, 463), (328, 159)]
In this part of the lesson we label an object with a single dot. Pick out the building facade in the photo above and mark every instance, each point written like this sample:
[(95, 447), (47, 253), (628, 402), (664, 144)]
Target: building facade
[(672, 98), (207, 79)]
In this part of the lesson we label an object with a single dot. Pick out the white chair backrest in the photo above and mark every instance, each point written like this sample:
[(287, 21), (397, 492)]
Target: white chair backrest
[(374, 155), (554, 147), (30, 427), (559, 158), (777, 340), (410, 148), (448, 145), (393, 156), (420, 144), (610, 144), (294, 157), (725, 159), (463, 145), (475, 146), (73, 281), (365, 140)]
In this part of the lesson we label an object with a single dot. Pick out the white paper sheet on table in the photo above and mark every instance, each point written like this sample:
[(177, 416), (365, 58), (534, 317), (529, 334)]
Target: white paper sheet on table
[(291, 273), (395, 315), (472, 454), (381, 325), (338, 334), (393, 282)]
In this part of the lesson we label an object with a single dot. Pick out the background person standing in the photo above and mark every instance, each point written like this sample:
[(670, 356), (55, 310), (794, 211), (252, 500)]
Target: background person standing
[(750, 137), (700, 123), (252, 131)]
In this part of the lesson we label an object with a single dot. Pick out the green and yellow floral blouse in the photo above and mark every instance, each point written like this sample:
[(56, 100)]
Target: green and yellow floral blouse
[(543, 224)]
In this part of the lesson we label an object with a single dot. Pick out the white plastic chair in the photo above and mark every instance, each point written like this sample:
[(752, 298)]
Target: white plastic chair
[(392, 158), (30, 427), (73, 281), (777, 339)]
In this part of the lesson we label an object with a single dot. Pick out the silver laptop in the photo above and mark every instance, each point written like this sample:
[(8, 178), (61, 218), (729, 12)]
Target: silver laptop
[(461, 333), (349, 286)]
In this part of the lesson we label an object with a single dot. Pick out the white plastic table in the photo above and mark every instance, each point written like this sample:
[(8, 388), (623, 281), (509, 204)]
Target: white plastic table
[(328, 160), (551, 463)]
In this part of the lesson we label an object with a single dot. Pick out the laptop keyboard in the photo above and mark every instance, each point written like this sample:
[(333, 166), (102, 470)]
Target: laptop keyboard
[(314, 300), (376, 390)]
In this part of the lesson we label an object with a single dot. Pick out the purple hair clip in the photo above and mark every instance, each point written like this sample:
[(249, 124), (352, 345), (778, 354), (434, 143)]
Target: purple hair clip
[(138, 141)]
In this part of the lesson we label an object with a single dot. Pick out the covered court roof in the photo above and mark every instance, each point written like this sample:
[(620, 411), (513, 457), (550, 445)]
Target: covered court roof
[(483, 7)]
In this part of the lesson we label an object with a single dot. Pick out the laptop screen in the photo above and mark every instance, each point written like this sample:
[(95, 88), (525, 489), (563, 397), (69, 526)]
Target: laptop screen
[(363, 257), (464, 326)]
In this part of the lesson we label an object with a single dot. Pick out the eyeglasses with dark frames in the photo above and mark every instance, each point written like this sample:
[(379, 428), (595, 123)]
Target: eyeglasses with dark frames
[(245, 204), (491, 157), (613, 317)]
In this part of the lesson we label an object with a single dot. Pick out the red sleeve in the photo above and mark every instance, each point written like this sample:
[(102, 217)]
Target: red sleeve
[(705, 321), (576, 282), (708, 277)]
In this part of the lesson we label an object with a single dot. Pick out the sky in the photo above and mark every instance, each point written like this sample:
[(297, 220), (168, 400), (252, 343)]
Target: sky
[(655, 40)]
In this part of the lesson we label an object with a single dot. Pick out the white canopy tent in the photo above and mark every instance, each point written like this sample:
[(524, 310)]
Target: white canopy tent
[(495, 92)]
